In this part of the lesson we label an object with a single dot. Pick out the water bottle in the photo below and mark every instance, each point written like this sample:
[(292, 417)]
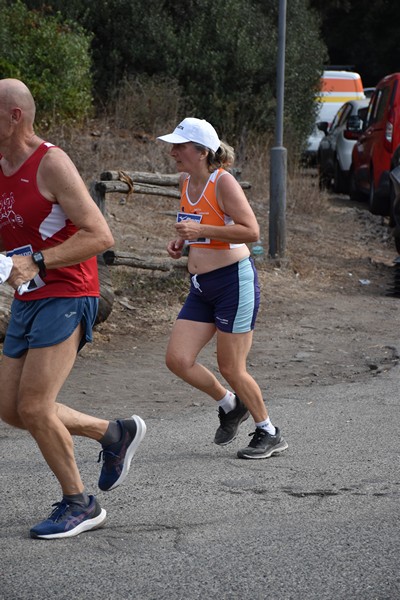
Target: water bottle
[(257, 249)]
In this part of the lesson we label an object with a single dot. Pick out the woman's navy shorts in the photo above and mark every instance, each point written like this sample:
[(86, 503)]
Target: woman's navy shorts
[(47, 322), (228, 297)]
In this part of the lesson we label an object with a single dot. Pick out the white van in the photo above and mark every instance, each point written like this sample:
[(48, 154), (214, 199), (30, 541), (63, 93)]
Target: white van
[(337, 87)]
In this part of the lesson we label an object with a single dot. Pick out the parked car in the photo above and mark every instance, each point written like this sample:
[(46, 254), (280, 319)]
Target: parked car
[(395, 199), (368, 91), (336, 88), (377, 151), (335, 148)]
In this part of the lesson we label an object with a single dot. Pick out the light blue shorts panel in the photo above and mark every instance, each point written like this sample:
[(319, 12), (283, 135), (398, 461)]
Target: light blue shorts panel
[(248, 302), (47, 322)]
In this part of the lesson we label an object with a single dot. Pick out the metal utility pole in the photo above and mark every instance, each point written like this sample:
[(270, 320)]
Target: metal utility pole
[(278, 156)]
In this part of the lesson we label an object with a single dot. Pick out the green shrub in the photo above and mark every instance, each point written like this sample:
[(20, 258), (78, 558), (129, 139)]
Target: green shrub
[(222, 56), (52, 57)]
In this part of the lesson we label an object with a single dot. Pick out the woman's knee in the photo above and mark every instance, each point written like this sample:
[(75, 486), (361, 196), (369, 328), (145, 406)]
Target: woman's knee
[(176, 363), (230, 372)]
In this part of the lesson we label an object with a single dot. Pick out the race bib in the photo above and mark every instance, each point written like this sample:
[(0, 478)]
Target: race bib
[(182, 216)]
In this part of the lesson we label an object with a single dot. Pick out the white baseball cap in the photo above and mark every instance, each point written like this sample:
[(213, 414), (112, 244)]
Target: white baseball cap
[(193, 130)]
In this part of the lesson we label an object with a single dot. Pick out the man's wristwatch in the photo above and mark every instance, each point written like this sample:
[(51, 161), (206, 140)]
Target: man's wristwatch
[(38, 259)]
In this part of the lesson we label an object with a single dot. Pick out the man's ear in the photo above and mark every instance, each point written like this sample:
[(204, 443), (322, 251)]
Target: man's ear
[(16, 114)]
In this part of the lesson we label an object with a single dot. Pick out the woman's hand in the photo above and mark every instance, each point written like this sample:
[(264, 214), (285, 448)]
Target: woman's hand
[(188, 229), (175, 248)]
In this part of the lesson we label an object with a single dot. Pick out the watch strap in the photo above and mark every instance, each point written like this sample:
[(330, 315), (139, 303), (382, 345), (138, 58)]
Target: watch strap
[(38, 259)]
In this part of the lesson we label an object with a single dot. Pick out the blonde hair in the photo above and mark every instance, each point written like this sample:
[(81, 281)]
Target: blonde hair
[(224, 157)]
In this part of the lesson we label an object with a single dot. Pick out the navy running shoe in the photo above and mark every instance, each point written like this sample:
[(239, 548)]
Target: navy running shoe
[(117, 457), (68, 520)]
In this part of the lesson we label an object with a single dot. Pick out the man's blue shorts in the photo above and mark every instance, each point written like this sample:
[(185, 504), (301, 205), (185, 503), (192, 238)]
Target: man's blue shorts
[(47, 322), (228, 297)]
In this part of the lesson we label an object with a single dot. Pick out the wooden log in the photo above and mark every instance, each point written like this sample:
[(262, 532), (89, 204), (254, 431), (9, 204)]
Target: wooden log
[(130, 260), (142, 177), (6, 298), (158, 178), (106, 187), (106, 300), (98, 196)]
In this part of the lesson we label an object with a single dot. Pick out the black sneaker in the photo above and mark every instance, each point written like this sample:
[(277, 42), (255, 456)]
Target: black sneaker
[(263, 445), (117, 457), (68, 520), (229, 423)]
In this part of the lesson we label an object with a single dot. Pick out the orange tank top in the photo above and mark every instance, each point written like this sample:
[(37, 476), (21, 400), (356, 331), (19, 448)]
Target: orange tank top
[(207, 211)]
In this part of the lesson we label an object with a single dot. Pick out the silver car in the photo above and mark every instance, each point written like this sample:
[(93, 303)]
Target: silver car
[(335, 148)]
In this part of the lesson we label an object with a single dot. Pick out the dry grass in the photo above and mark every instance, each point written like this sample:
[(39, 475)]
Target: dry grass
[(315, 226), (147, 104), (330, 243), (100, 146)]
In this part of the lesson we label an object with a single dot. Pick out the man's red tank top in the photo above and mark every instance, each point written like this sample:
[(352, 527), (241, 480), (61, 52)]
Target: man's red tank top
[(29, 223)]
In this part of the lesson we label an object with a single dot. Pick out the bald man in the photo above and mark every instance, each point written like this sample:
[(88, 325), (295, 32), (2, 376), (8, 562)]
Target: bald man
[(53, 231)]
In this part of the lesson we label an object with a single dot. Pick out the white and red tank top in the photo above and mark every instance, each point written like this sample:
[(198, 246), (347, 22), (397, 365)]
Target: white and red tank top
[(29, 223), (207, 210)]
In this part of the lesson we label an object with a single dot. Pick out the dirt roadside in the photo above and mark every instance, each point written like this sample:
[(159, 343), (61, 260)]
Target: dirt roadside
[(325, 315)]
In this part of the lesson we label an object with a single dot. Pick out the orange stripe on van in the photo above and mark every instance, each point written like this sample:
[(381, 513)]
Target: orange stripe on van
[(342, 85)]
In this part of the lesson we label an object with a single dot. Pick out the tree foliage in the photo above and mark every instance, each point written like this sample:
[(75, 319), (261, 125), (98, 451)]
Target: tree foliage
[(221, 54), (362, 35), (52, 56)]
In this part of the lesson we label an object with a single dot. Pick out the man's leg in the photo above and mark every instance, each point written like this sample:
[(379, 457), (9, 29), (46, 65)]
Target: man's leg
[(76, 422), (30, 385), (23, 391), (43, 374)]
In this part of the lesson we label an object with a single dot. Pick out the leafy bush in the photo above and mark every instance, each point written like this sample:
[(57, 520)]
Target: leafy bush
[(52, 57), (221, 55)]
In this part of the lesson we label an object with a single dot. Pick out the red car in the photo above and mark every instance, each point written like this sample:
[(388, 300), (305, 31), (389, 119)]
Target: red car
[(377, 151)]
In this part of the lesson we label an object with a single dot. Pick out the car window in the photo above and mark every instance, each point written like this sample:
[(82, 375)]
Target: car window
[(393, 95), (345, 114), (371, 108), (377, 110), (338, 117)]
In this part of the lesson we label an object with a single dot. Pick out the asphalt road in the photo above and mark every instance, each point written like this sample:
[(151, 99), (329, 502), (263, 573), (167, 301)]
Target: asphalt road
[(193, 522)]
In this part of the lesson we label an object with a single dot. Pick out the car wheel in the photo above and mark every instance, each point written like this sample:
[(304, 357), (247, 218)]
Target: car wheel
[(397, 243), (394, 207), (324, 180), (392, 195), (373, 201), (354, 192), (339, 179)]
